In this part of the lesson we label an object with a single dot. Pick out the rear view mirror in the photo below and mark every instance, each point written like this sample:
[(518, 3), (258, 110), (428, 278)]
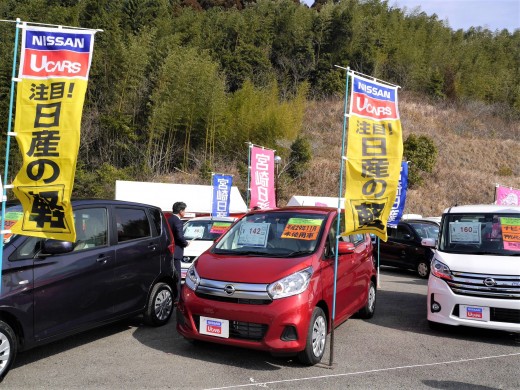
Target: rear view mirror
[(345, 247)]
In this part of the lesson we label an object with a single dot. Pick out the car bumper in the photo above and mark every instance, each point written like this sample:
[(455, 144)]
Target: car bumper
[(255, 326), (491, 313)]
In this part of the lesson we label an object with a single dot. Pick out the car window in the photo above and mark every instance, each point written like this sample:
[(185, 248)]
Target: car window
[(481, 233), (273, 234), (426, 230), (205, 230), (391, 232), (357, 238), (157, 221), (27, 250), (12, 215), (403, 233), (91, 228), (132, 224)]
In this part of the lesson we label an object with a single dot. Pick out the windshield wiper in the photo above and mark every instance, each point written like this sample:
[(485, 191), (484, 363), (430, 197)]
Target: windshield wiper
[(245, 253), (290, 254)]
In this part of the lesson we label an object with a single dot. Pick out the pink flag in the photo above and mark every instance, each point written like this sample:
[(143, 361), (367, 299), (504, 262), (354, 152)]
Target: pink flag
[(262, 178), (507, 196)]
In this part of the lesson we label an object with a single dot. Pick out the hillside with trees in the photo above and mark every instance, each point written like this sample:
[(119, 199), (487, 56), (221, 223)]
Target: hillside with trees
[(177, 88)]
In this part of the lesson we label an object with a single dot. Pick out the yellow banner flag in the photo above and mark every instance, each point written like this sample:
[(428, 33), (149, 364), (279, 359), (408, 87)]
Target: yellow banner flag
[(49, 103), (374, 154)]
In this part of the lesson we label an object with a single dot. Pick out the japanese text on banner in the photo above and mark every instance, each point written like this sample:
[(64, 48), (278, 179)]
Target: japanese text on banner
[(400, 198), (221, 195), (262, 174), (54, 69), (374, 154)]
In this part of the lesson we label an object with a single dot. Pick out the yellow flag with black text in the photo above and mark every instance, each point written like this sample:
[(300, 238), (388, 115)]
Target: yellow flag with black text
[(373, 158), (53, 75)]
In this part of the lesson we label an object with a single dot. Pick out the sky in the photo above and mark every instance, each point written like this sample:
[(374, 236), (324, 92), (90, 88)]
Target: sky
[(490, 14)]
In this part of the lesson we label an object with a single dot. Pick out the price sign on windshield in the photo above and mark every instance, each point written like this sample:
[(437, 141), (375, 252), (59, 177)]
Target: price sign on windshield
[(194, 232), (511, 233), (253, 234), (465, 232), (302, 228)]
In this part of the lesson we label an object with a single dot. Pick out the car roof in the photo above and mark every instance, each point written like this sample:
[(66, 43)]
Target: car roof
[(482, 208), (419, 220), (217, 219), (87, 202), (297, 209)]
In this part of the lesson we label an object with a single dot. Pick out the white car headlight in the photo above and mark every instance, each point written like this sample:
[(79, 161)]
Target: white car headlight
[(441, 270), (192, 278), (290, 285)]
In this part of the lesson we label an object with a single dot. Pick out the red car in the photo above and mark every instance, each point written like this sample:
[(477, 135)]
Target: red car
[(267, 284)]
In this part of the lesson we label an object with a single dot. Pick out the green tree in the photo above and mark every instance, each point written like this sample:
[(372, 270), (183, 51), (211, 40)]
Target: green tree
[(300, 158), (186, 106), (421, 152)]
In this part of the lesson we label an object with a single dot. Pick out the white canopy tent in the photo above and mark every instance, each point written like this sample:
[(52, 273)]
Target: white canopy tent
[(198, 198), (298, 200)]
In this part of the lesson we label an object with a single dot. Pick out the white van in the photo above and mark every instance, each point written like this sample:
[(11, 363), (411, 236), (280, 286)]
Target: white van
[(202, 232), (475, 271)]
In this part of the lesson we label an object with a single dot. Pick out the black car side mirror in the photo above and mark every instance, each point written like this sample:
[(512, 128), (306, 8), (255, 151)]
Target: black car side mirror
[(56, 247)]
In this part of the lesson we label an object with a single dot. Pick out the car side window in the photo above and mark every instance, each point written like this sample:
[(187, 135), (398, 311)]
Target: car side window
[(132, 224), (27, 250), (403, 233), (357, 239), (155, 214), (330, 246), (392, 232), (91, 228)]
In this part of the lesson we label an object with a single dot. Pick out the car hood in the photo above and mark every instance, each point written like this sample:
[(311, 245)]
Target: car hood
[(196, 247), (249, 269), (481, 264)]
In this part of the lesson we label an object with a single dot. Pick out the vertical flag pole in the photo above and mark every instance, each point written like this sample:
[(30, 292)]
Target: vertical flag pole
[(343, 159), (212, 194), (7, 147), (249, 147), (378, 256)]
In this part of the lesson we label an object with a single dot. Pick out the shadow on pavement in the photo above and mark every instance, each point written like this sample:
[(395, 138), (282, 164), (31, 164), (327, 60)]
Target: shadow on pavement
[(456, 385), (71, 342), (168, 340), (406, 311)]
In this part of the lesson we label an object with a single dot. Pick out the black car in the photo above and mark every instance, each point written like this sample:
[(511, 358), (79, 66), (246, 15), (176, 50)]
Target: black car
[(403, 248), (120, 266)]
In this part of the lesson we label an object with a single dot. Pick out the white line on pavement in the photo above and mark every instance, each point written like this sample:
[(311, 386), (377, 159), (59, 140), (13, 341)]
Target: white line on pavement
[(363, 372)]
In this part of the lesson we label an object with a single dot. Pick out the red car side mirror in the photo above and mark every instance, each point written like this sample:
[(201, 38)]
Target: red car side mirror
[(345, 248)]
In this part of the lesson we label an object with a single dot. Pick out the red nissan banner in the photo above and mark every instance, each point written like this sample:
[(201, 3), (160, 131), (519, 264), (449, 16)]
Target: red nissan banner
[(262, 178)]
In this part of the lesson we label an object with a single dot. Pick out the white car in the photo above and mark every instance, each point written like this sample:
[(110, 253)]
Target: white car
[(475, 271), (201, 233)]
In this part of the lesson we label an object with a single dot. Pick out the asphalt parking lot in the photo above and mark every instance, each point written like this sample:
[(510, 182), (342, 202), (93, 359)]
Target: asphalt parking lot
[(394, 350)]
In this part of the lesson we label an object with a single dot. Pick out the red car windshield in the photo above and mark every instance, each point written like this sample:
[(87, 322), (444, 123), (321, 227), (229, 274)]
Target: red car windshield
[(12, 215), (273, 234)]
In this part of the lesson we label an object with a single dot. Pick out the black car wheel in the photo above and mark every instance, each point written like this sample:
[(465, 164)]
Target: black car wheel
[(8, 348), (316, 339), (370, 307), (423, 269), (160, 305)]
